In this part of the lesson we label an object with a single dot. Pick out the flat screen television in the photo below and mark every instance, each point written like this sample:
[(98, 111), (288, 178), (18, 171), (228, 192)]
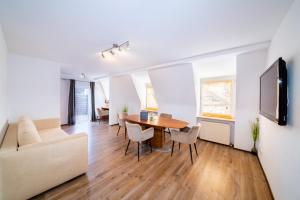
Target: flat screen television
[(273, 92)]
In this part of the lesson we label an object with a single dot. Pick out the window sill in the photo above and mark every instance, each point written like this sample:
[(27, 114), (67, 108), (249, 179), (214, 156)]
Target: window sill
[(152, 109), (216, 118)]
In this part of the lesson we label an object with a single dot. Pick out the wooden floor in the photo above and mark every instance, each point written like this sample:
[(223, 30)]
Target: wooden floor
[(219, 172)]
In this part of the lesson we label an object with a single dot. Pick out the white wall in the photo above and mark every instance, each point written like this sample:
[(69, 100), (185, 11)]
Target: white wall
[(279, 146), (99, 96), (64, 100), (122, 92), (105, 87), (33, 87), (175, 91), (249, 68), (3, 84)]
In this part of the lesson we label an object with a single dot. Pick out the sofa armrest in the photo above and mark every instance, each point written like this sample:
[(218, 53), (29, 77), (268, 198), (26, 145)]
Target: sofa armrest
[(47, 123), (41, 166)]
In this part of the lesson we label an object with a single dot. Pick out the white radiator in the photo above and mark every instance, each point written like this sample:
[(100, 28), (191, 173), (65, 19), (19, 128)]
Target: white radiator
[(215, 132)]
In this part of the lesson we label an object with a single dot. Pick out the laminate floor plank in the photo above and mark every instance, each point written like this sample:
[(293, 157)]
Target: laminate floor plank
[(218, 172)]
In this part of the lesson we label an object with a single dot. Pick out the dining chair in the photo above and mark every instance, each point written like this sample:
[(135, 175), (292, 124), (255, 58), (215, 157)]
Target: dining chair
[(121, 122), (169, 116), (102, 113), (189, 138), (99, 114), (136, 134)]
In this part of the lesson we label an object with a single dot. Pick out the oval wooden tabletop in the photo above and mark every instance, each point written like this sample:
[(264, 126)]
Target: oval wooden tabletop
[(161, 122)]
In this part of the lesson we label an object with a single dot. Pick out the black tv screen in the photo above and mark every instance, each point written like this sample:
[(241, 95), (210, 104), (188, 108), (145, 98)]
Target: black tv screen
[(273, 92)]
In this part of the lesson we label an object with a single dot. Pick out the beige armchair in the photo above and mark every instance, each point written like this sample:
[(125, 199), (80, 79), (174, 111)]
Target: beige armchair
[(169, 116), (121, 122), (189, 138), (102, 113), (136, 134)]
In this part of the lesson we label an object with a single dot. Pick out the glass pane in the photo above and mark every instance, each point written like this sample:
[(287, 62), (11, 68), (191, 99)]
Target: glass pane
[(81, 107), (150, 98), (216, 97)]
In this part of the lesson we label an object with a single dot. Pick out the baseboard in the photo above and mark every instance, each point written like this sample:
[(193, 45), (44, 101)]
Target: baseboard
[(241, 149), (215, 142), (3, 131)]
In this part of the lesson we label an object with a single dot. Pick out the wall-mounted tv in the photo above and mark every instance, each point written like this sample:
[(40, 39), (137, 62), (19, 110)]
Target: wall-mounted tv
[(273, 92)]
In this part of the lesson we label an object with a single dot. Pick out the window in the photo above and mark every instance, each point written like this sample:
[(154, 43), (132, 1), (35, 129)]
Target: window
[(151, 103), (82, 99), (217, 98)]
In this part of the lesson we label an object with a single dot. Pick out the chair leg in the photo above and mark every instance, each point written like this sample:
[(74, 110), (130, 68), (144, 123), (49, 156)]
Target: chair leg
[(127, 147), (172, 148), (179, 145), (138, 149), (150, 145), (118, 130), (169, 130), (125, 132), (196, 149), (191, 153)]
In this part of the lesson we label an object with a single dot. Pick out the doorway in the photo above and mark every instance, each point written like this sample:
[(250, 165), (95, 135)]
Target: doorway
[(82, 99)]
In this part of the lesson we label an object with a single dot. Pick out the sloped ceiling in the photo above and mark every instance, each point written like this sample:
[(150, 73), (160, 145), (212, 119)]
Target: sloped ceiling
[(73, 32), (175, 91)]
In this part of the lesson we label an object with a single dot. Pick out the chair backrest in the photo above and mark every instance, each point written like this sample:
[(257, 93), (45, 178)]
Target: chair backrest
[(134, 131), (121, 120), (99, 112), (166, 115), (194, 133)]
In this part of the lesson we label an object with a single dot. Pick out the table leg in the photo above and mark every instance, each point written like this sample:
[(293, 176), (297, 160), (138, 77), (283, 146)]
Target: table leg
[(158, 139)]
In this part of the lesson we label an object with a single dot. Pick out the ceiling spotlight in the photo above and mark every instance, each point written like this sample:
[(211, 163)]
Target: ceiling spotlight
[(127, 45), (82, 75), (121, 47)]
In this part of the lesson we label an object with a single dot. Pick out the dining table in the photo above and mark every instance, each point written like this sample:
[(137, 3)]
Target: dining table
[(159, 124)]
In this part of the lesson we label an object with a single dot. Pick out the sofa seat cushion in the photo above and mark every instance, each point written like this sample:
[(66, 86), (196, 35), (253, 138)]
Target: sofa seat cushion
[(52, 134), (27, 132)]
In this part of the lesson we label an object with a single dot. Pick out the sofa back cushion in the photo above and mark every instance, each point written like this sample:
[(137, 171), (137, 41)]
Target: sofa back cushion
[(27, 132)]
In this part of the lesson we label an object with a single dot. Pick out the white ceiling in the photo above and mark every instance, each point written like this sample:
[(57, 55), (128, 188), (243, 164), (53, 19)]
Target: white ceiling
[(74, 31)]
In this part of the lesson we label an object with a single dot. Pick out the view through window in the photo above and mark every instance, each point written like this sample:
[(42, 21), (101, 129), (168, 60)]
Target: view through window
[(217, 98), (82, 102), (151, 103)]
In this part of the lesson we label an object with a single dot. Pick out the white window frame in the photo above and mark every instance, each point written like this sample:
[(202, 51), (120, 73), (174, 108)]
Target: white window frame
[(233, 91), (146, 88)]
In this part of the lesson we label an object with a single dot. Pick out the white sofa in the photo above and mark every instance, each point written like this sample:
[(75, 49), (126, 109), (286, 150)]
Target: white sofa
[(32, 165)]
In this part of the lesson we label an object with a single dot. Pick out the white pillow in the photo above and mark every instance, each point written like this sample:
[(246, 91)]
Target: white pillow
[(27, 133)]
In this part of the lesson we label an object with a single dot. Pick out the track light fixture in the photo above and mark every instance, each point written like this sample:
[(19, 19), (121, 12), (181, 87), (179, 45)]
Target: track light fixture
[(121, 47)]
